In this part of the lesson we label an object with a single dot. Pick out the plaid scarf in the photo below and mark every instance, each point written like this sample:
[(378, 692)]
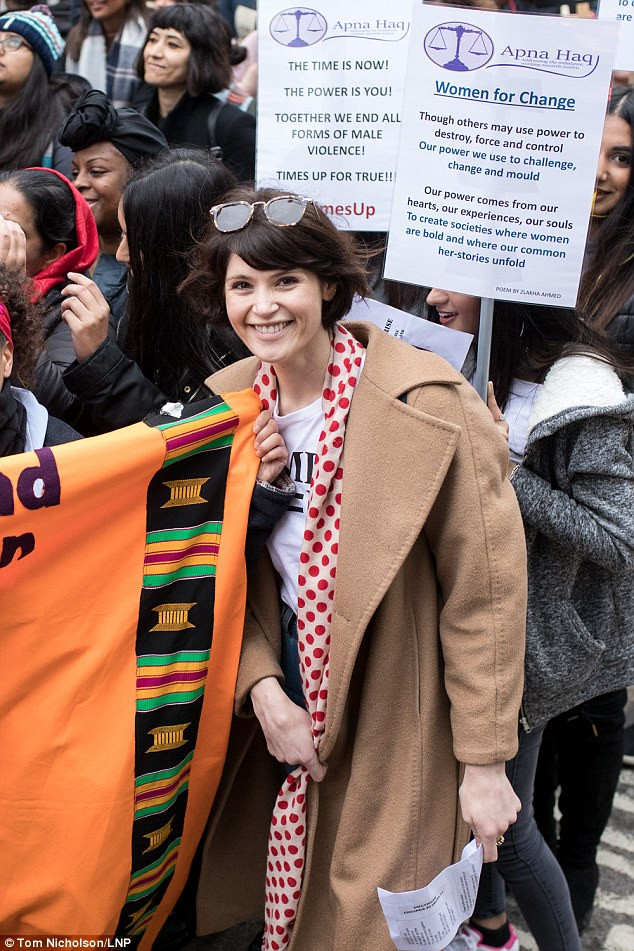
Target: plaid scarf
[(114, 70)]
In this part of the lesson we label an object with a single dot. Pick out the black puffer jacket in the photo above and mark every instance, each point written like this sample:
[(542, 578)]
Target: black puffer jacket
[(58, 353), (113, 392)]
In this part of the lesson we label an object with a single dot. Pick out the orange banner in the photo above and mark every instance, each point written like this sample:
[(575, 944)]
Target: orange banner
[(122, 592)]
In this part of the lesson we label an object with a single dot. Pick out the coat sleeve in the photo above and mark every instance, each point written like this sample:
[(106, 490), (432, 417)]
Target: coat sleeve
[(113, 388), (58, 353), (477, 538), (261, 639), (597, 518), (235, 133)]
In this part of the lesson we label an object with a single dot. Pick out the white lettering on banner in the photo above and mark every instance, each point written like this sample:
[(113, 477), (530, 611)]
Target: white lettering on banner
[(503, 128), (338, 143)]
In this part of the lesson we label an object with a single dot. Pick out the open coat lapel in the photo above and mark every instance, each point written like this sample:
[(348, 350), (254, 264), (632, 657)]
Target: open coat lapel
[(398, 455), (393, 453)]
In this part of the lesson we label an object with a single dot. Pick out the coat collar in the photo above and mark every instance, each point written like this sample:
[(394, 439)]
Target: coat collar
[(395, 459), (385, 354)]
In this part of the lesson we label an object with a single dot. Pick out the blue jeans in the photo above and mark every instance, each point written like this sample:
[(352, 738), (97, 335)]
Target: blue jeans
[(528, 867)]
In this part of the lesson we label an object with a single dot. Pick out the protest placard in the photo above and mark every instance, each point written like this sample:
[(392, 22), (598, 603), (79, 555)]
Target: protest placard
[(502, 124), (329, 100), (623, 12)]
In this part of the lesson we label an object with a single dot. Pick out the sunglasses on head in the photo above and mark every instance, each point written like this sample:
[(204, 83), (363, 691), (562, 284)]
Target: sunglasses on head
[(283, 211)]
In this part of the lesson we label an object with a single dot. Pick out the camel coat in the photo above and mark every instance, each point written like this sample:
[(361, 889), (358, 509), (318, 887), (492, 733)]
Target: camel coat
[(426, 658)]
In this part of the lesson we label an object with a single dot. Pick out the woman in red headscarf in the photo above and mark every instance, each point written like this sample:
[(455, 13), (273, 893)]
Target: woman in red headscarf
[(47, 232)]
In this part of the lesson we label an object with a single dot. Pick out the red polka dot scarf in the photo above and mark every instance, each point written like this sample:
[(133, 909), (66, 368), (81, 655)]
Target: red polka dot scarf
[(316, 581)]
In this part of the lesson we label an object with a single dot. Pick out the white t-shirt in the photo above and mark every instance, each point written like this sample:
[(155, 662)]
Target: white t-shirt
[(517, 413), (300, 431)]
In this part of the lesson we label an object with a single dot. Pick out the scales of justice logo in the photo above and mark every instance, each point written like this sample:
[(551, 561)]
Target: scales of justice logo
[(460, 47), (298, 26)]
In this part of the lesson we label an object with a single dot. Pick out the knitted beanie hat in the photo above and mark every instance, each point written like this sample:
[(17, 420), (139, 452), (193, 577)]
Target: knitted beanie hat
[(38, 29)]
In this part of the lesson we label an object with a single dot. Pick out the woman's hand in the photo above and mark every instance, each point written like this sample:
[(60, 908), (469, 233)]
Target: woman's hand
[(496, 413), (12, 245), (270, 447), (286, 727), (87, 313), (488, 804)]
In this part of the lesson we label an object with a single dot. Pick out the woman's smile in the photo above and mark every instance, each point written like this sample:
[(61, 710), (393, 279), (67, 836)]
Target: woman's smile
[(270, 330), (278, 314)]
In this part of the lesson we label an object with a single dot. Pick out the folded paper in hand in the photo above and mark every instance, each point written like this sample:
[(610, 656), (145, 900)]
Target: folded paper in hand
[(430, 917)]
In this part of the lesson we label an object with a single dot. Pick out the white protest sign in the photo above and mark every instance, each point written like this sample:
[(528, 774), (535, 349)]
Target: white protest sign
[(502, 123), (329, 101), (623, 12)]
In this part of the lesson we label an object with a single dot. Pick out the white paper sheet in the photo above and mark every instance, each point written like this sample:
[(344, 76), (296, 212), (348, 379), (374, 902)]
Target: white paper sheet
[(452, 345), (430, 917)]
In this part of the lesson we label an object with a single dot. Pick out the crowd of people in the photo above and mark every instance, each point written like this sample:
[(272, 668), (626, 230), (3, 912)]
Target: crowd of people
[(440, 628)]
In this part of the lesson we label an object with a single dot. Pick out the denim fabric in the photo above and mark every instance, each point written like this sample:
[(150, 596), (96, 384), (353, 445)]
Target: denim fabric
[(528, 867)]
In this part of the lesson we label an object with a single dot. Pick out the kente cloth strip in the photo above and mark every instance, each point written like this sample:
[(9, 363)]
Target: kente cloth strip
[(122, 584), (316, 581)]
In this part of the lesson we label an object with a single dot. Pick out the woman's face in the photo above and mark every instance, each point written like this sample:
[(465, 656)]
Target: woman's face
[(166, 58), (15, 207), (277, 314), (100, 171), (15, 67), (104, 9), (458, 311), (615, 161), (123, 251)]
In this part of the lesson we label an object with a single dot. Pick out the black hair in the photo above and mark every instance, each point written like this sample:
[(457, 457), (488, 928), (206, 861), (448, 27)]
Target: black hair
[(53, 205), (313, 244), (78, 33), (527, 339), (213, 54), (30, 120), (166, 207), (608, 279)]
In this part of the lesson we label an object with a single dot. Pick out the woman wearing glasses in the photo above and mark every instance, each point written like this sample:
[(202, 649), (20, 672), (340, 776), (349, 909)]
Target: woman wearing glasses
[(387, 677), (32, 104)]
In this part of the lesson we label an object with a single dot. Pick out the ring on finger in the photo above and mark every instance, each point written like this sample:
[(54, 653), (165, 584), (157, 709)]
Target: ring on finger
[(500, 841)]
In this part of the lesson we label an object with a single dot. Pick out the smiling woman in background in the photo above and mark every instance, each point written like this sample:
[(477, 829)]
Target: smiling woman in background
[(187, 57), (109, 144)]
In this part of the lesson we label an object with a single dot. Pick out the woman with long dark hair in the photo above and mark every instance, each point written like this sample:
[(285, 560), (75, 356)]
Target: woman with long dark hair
[(104, 45), (558, 396), (606, 296), (163, 351), (188, 57), (33, 102)]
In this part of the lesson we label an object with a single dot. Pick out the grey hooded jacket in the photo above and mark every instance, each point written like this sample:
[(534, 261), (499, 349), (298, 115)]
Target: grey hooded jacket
[(575, 489)]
